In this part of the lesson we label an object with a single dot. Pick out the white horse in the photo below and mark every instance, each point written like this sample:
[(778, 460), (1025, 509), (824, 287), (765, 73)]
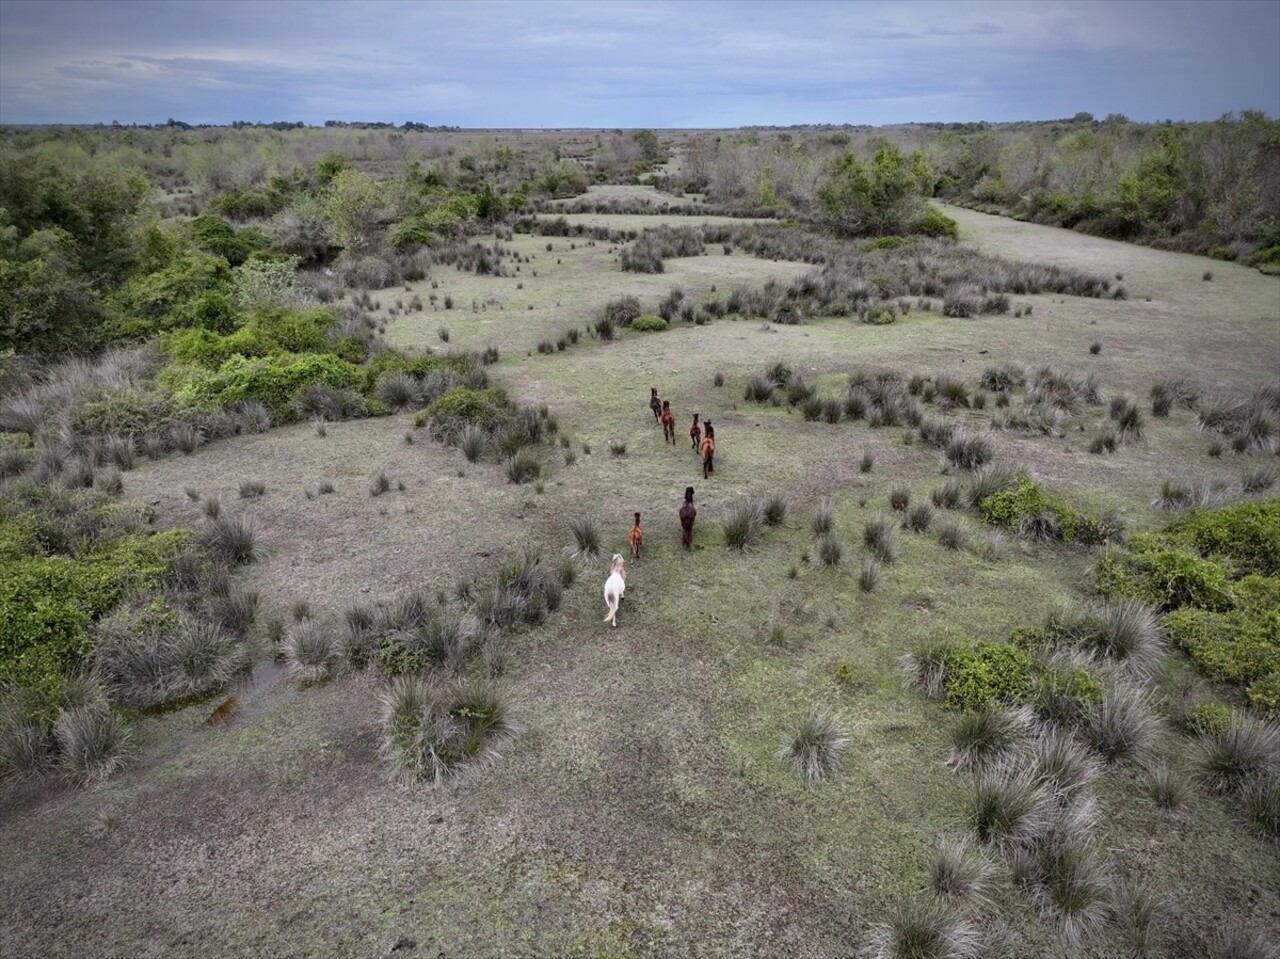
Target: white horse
[(614, 587)]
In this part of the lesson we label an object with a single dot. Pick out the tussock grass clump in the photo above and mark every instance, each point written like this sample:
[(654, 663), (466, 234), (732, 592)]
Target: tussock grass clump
[(994, 546), (952, 534), (232, 539), (773, 509), (1141, 915), (925, 668), (984, 738), (617, 448), (1007, 810), (1260, 802), (927, 930), (250, 489), (1129, 634), (93, 743), (26, 748), (1062, 764), (742, 526), (1258, 479), (379, 483), (1166, 394), (472, 440), (759, 389), (1121, 726), (204, 657), (524, 467), (109, 481), (918, 518), (828, 551), (960, 873), (989, 481), (823, 518), (869, 575), (1130, 423), (818, 745), (947, 496), (878, 536), (1166, 785), (1105, 443), (432, 733), (1248, 749), (1073, 888), (899, 498), (967, 452), (186, 437), (867, 462), (586, 539), (311, 650), (1236, 942)]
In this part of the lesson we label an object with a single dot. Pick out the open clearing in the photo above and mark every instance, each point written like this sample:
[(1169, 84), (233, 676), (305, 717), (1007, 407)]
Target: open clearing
[(643, 810)]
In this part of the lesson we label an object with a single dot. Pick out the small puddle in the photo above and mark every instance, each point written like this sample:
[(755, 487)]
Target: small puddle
[(268, 674)]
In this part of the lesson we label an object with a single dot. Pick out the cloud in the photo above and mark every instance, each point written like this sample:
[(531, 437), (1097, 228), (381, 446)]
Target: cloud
[(720, 62)]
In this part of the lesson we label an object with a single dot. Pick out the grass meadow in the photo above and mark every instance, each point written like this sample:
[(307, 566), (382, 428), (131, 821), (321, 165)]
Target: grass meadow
[(650, 802)]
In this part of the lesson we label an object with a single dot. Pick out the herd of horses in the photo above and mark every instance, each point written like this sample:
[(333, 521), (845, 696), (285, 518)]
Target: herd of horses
[(703, 439)]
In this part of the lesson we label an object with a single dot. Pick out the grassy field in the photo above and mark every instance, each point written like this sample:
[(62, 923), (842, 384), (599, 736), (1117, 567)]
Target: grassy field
[(643, 809)]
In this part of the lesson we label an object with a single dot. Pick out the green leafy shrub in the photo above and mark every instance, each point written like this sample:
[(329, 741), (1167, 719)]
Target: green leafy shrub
[(461, 405), (273, 380), (1232, 647), (934, 222), (986, 675), (127, 411), (1246, 534), (1026, 504), (47, 602), (649, 323), (1208, 719), (1264, 694), (1167, 578)]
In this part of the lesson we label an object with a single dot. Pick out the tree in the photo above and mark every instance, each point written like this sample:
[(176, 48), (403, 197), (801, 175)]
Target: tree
[(879, 198)]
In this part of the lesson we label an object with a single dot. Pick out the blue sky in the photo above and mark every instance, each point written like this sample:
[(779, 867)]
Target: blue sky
[(617, 63)]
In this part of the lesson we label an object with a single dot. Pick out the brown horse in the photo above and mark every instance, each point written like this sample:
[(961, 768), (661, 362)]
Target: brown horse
[(695, 432), (688, 513), (668, 420), (708, 449), (655, 404), (635, 538)]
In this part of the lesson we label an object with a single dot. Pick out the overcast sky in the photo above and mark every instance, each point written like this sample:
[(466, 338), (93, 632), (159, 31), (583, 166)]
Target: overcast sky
[(617, 63)]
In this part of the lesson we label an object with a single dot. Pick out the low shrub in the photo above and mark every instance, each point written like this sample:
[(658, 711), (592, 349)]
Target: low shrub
[(1027, 509), (649, 323)]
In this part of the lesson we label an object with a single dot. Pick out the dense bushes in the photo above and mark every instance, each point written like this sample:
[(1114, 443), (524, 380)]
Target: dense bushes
[(1028, 509), (274, 380), (1214, 572)]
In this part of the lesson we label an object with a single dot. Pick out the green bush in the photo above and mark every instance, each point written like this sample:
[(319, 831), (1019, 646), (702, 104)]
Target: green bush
[(1166, 578), (485, 407), (125, 410), (879, 316), (649, 323), (934, 222), (274, 380), (47, 602), (986, 675), (1026, 503), (1208, 719), (190, 291), (215, 235), (1264, 694), (1232, 647), (1246, 534)]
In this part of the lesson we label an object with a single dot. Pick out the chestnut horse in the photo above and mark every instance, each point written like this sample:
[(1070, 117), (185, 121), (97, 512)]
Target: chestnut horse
[(635, 538), (668, 420), (708, 449)]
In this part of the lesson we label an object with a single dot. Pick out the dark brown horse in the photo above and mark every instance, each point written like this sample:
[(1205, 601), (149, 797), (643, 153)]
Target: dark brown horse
[(668, 420), (688, 513), (695, 432), (655, 404)]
